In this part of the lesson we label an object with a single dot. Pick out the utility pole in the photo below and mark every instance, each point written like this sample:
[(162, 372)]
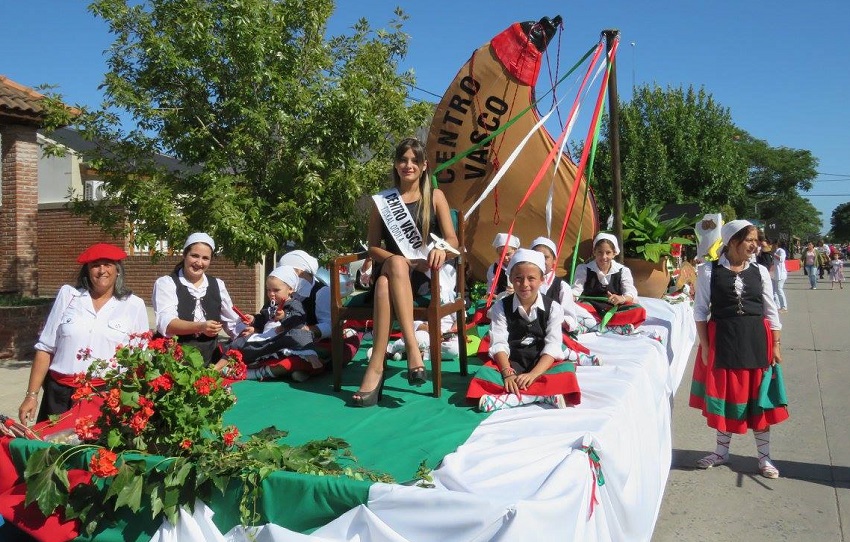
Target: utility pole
[(614, 139)]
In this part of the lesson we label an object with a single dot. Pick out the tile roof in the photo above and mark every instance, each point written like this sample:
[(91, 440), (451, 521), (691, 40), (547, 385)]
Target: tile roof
[(19, 102)]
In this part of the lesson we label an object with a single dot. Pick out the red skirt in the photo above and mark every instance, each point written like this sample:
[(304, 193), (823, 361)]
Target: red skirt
[(728, 398), (559, 379), (627, 313)]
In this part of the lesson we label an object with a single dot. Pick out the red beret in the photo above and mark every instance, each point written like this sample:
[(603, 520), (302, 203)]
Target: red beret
[(101, 251)]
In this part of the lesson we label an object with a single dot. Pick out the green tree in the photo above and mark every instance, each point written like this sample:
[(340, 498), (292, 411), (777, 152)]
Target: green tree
[(676, 146), (281, 129), (840, 222)]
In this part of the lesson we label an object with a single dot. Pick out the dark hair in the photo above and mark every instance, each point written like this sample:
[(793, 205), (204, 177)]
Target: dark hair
[(186, 250), (610, 244), (739, 236), (411, 143), (548, 250), (120, 291)]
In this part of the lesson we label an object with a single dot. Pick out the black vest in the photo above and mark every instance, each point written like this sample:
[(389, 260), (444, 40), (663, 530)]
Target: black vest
[(554, 290), (502, 282), (594, 288), (309, 304), (211, 303), (740, 340), (526, 339)]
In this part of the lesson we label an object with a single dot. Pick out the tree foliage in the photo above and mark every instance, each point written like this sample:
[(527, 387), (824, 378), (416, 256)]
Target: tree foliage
[(840, 222), (676, 146), (280, 129)]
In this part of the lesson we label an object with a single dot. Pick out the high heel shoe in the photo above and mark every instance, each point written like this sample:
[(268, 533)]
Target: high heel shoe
[(417, 376), (369, 398)]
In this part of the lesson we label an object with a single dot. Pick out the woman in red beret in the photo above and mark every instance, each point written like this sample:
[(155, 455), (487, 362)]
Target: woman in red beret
[(87, 322)]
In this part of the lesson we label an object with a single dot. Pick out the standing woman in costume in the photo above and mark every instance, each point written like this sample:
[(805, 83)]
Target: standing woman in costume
[(87, 322), (192, 306), (395, 278), (739, 331), (603, 285)]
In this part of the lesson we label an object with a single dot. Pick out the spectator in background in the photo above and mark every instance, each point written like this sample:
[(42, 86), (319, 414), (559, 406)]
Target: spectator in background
[(778, 275)]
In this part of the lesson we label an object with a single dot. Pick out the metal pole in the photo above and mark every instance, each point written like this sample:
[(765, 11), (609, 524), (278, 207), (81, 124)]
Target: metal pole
[(614, 141)]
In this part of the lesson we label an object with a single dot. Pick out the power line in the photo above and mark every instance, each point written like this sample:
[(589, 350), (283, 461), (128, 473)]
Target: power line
[(834, 174)]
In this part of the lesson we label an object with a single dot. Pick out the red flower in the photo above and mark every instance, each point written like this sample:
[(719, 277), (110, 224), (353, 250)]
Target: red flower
[(205, 385), (83, 392), (162, 382), (86, 429), (186, 444), (103, 463), (113, 400), (138, 423), (159, 344), (147, 406), (80, 379), (230, 435), (234, 355), (178, 352)]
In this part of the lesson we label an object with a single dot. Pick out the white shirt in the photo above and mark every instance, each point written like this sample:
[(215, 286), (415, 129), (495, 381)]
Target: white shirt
[(779, 272), (565, 300), (499, 327), (626, 280), (702, 299), (323, 304), (73, 325), (165, 304)]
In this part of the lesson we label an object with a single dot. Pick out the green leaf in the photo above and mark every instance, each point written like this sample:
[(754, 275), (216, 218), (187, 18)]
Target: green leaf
[(131, 494), (44, 489)]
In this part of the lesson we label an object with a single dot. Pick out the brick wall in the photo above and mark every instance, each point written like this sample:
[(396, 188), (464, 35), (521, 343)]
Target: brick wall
[(20, 330), (62, 236), (19, 210)]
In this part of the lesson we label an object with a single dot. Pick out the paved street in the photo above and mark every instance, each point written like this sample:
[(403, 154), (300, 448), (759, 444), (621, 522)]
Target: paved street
[(732, 502), (811, 501)]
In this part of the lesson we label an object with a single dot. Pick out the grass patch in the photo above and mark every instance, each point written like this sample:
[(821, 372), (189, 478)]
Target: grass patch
[(17, 300)]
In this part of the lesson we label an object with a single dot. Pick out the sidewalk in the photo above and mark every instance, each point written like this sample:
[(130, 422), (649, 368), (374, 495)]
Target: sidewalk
[(811, 500)]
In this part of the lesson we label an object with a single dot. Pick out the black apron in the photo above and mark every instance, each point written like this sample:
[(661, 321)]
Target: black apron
[(740, 340)]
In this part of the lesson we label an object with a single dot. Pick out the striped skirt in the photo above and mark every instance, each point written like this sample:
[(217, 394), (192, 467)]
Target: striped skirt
[(728, 398), (559, 379)]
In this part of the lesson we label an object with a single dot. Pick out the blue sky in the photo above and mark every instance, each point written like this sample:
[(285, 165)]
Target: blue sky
[(780, 67)]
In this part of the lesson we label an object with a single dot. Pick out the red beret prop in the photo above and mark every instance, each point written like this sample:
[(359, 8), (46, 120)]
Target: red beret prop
[(101, 251)]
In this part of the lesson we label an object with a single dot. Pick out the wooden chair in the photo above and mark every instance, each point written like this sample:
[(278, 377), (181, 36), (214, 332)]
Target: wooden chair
[(428, 309)]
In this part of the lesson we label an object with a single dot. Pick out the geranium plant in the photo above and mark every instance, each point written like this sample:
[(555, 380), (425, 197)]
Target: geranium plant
[(649, 237), (159, 441)]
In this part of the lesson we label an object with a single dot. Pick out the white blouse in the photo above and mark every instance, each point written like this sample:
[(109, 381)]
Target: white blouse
[(74, 325), (165, 304), (702, 298), (565, 300), (499, 327), (626, 280), (323, 304)]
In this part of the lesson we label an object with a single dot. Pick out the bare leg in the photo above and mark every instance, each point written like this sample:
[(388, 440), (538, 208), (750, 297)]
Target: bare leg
[(397, 270), (382, 320)]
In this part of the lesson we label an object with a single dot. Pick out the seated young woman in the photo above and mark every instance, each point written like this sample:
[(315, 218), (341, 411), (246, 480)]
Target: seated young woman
[(526, 357), (605, 287), (400, 225)]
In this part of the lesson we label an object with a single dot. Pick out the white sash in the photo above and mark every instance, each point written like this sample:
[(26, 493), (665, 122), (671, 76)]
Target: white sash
[(400, 224)]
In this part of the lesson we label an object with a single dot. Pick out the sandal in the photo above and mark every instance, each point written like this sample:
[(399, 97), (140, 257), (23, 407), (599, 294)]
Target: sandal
[(768, 469), (712, 460), (369, 398)]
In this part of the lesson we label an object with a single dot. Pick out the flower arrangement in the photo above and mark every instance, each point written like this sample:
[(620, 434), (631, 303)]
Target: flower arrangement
[(159, 440), (647, 236)]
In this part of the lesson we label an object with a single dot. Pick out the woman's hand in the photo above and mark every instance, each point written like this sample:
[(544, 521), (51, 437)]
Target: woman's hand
[(436, 258), (26, 412), (777, 355), (210, 328)]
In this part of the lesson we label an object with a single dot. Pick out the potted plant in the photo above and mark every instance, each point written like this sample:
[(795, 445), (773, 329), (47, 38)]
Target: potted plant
[(648, 242)]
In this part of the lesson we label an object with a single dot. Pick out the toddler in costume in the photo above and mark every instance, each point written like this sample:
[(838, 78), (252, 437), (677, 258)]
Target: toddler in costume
[(836, 270), (282, 323), (526, 362), (606, 292)]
